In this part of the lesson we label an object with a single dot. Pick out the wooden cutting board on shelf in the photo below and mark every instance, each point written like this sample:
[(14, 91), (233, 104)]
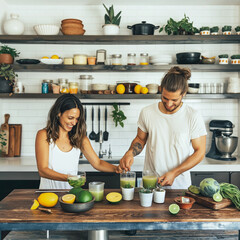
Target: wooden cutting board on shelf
[(209, 202), (4, 130), (15, 135)]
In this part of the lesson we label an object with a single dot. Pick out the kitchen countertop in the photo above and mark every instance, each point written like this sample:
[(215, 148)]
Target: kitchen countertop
[(28, 164)]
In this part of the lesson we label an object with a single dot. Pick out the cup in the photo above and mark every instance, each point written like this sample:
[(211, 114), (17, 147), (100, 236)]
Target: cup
[(127, 179), (77, 180), (159, 195), (97, 190), (149, 179)]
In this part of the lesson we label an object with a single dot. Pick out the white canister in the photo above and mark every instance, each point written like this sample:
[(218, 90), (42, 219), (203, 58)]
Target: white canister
[(128, 194), (80, 59), (159, 195), (13, 26), (19, 88)]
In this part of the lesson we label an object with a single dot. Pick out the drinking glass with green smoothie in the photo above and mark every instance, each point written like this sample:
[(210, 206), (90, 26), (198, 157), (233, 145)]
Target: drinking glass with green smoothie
[(97, 190), (149, 179), (127, 178)]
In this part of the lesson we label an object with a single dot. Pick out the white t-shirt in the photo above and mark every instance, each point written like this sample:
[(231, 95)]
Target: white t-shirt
[(62, 162), (169, 139)]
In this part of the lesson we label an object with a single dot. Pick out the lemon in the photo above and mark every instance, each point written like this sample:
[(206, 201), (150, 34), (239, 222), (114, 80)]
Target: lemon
[(114, 197), (45, 57), (144, 90), (48, 199), (68, 198), (35, 204), (120, 89), (137, 89), (54, 57)]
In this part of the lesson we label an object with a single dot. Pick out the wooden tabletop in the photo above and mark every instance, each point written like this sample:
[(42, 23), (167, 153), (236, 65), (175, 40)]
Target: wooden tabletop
[(15, 213)]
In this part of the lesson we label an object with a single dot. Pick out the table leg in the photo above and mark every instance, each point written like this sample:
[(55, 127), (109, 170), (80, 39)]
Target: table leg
[(3, 234), (98, 235)]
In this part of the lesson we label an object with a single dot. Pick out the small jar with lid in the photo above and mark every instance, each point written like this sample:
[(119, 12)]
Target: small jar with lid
[(44, 86), (80, 59), (64, 86), (144, 60), (73, 87), (85, 83), (68, 61), (131, 59), (117, 59)]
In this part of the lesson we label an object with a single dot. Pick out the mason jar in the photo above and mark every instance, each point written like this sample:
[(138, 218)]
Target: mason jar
[(85, 82), (144, 60), (73, 87), (64, 86), (131, 59), (117, 59)]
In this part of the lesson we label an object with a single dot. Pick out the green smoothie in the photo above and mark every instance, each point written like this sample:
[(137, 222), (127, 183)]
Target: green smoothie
[(149, 182), (98, 195), (127, 181)]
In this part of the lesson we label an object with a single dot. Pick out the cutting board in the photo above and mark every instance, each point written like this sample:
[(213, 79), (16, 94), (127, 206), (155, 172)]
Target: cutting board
[(5, 133), (209, 202), (15, 135)]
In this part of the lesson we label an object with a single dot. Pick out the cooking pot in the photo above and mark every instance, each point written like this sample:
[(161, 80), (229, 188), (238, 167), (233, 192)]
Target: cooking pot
[(143, 28)]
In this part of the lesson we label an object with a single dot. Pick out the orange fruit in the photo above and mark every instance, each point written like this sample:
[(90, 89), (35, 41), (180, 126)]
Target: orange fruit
[(137, 89), (120, 89), (45, 57), (35, 205), (54, 57), (48, 199), (144, 90), (68, 198)]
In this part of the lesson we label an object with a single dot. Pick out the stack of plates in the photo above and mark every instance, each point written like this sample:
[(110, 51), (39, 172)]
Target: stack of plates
[(160, 59)]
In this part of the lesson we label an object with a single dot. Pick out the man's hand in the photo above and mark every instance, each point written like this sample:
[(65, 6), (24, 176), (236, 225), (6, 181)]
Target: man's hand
[(126, 161), (167, 179)]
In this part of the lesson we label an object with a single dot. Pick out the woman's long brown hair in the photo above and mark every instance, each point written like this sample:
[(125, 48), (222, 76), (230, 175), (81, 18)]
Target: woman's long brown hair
[(62, 104)]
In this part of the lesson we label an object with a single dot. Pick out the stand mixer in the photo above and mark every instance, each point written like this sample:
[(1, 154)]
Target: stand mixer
[(223, 144)]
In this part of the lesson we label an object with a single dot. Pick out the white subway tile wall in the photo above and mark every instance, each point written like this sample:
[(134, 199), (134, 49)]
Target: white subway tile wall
[(32, 113)]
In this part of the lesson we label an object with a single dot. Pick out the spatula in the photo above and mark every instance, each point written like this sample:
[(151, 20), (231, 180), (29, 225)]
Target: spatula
[(105, 133)]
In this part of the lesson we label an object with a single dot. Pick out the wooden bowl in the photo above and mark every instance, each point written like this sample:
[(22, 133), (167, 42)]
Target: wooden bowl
[(73, 25), (72, 31), (182, 205), (71, 20)]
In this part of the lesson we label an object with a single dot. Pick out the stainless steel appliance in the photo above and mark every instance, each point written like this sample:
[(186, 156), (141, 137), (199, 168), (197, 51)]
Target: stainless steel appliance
[(223, 144)]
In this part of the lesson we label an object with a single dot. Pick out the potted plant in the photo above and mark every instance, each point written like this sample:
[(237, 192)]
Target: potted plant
[(196, 31), (223, 59), (205, 31), (159, 195), (7, 54), (7, 78), (112, 22), (237, 29), (128, 192), (146, 196), (235, 59), (226, 30), (214, 30), (183, 27)]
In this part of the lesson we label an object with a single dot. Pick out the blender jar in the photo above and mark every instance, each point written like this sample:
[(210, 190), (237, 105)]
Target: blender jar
[(97, 190)]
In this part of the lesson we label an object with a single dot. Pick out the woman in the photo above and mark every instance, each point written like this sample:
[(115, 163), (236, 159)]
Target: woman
[(58, 145)]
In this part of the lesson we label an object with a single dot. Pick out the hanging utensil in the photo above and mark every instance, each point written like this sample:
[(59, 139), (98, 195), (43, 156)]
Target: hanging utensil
[(98, 134), (105, 133), (92, 135), (85, 117)]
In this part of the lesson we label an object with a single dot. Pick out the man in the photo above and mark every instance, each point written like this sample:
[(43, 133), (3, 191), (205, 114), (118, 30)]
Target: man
[(174, 132)]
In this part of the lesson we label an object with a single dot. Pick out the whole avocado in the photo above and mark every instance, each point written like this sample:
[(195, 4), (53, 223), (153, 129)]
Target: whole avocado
[(209, 186)]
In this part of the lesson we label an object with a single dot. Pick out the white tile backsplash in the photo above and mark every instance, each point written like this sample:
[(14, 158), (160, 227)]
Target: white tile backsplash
[(32, 113)]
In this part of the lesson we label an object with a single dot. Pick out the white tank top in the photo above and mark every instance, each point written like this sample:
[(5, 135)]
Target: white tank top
[(62, 162)]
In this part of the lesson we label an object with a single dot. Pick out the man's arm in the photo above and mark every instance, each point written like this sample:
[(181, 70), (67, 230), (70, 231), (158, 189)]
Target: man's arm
[(199, 146), (135, 149)]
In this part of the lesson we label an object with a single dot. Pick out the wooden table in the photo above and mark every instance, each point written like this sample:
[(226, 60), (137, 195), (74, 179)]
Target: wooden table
[(15, 214)]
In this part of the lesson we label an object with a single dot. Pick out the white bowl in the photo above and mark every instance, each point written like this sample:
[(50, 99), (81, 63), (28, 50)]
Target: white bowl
[(99, 87), (192, 90), (51, 61), (46, 29)]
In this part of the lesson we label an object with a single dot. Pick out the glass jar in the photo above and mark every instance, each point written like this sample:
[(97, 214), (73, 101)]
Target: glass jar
[(64, 86), (144, 59), (85, 83), (101, 56), (50, 82), (68, 61), (44, 86), (73, 87), (80, 59), (131, 59), (117, 59)]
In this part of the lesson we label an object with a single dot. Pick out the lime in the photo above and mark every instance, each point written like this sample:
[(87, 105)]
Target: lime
[(75, 190), (217, 197), (174, 208), (84, 196)]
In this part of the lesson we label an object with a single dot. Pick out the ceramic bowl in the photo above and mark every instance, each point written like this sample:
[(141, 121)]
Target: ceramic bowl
[(193, 87), (99, 87), (76, 207), (208, 60), (46, 29), (152, 88), (72, 31), (51, 61), (183, 205), (71, 20)]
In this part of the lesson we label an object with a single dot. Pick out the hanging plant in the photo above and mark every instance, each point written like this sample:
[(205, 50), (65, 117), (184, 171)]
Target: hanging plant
[(118, 116)]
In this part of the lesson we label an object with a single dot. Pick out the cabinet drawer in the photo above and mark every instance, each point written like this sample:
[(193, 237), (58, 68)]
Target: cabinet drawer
[(235, 178)]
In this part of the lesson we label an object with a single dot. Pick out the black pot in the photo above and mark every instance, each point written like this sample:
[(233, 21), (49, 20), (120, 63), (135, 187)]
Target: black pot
[(5, 86), (188, 58), (143, 28)]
